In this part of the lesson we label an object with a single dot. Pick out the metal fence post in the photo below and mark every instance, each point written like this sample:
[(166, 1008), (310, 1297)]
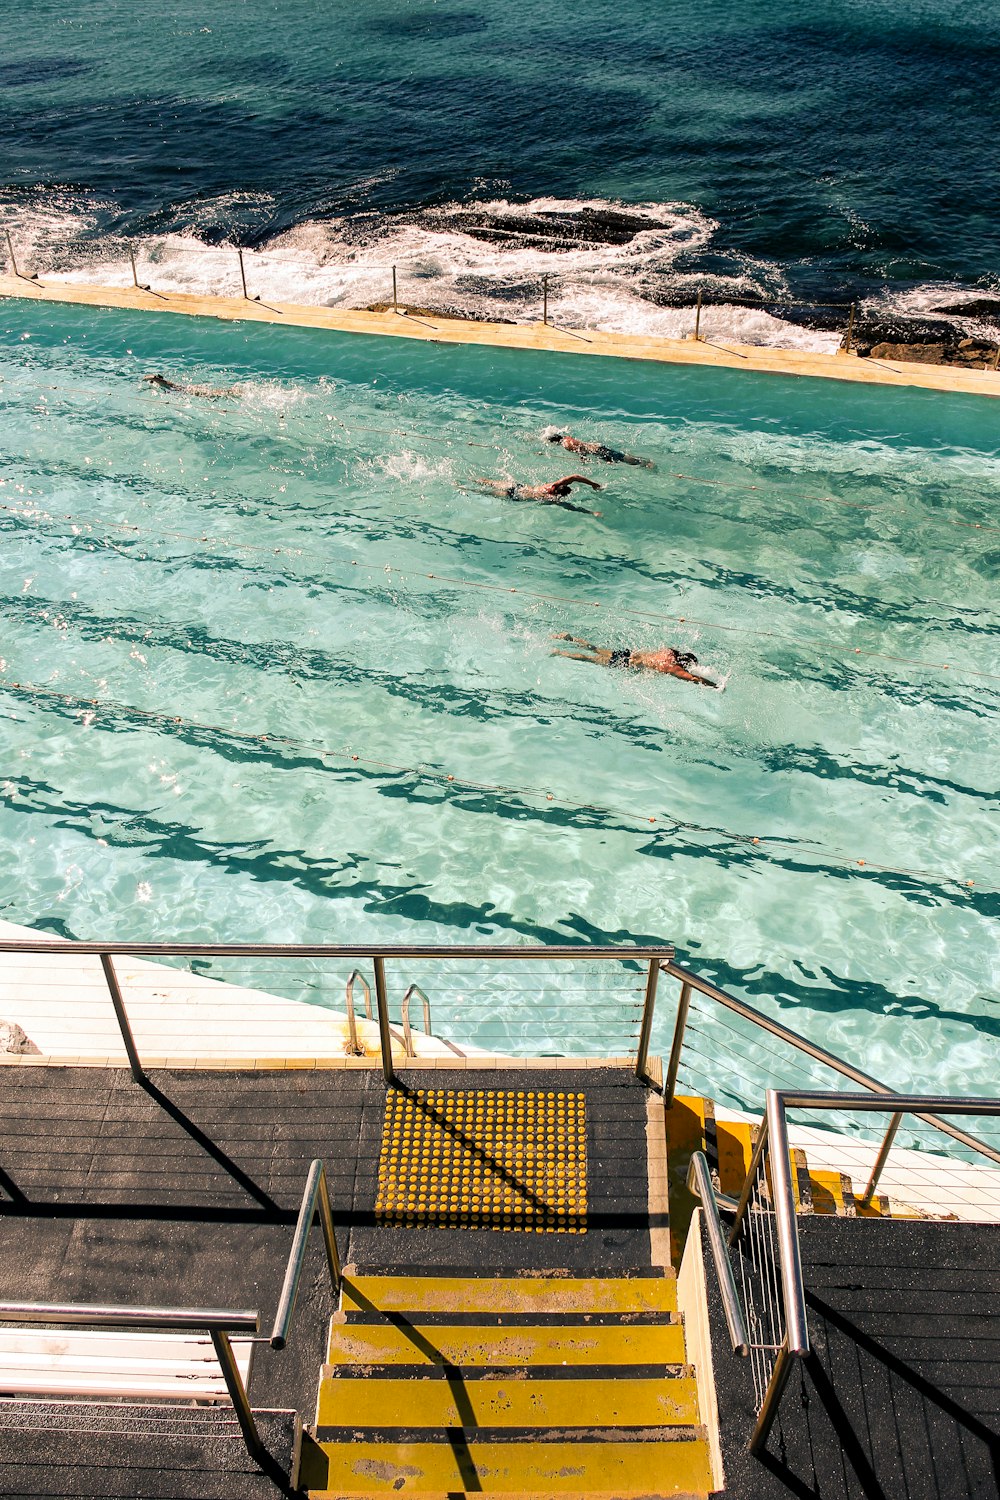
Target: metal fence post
[(238, 1396), (881, 1159), (850, 331), (697, 317), (123, 1022), (545, 299), (243, 277), (645, 1030), (385, 1036), (395, 300), (13, 262), (142, 286), (683, 1006)]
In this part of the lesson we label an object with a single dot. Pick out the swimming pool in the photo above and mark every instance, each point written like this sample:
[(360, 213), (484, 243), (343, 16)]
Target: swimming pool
[(281, 674)]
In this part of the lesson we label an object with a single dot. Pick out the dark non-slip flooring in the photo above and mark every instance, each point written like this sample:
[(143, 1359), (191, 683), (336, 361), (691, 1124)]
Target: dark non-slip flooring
[(900, 1397), (183, 1191)]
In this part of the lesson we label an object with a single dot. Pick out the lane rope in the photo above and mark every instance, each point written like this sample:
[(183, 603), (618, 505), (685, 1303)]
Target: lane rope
[(762, 846)]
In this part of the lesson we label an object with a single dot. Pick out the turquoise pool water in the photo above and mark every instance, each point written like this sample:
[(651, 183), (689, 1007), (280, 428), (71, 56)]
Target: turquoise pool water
[(182, 578)]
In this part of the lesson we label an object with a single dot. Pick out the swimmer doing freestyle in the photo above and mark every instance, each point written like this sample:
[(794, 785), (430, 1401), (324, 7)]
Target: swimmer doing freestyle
[(556, 493), (210, 392), (667, 660), (594, 450)]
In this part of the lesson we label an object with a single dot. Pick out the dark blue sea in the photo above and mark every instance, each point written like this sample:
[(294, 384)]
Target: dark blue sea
[(776, 158)]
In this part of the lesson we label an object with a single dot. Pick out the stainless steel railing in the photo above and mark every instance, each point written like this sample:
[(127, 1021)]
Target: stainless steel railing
[(699, 1181), (765, 1228), (316, 1195), (652, 957), (218, 1324), (690, 982)]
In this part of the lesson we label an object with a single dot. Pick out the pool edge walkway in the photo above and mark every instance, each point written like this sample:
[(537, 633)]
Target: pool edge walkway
[(545, 337)]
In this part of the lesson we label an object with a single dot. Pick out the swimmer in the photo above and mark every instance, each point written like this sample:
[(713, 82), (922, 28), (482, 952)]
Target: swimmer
[(667, 659), (556, 493), (210, 392), (594, 450)]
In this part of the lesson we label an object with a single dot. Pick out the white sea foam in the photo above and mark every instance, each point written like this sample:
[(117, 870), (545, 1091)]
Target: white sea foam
[(934, 299), (459, 258)]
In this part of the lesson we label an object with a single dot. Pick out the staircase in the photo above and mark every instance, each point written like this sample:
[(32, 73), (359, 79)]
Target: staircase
[(527, 1385), (728, 1145)]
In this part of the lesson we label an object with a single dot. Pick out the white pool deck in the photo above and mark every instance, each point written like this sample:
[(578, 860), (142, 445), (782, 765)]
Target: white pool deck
[(180, 1019)]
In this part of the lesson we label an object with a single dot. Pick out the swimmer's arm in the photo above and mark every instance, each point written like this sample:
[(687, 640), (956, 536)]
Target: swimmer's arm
[(578, 479)]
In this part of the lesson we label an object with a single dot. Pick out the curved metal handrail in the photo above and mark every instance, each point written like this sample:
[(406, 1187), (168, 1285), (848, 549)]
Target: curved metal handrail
[(315, 1195), (699, 1181), (352, 1025), (407, 1032)]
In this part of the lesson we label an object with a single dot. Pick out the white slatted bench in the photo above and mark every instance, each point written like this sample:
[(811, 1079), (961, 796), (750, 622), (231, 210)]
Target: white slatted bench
[(89, 1362)]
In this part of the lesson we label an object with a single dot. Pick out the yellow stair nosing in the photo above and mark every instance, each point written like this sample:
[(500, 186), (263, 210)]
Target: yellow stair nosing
[(678, 1458), (459, 1494), (506, 1400), (411, 1294), (522, 1345)]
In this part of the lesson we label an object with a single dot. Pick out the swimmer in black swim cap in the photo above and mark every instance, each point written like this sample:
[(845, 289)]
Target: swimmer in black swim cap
[(595, 450)]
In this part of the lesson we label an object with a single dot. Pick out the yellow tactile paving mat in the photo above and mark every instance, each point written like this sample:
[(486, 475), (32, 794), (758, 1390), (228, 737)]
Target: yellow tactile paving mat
[(484, 1159)]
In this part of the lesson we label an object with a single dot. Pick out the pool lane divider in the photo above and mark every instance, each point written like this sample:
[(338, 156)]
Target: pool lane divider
[(824, 648), (445, 442), (539, 337), (757, 846)]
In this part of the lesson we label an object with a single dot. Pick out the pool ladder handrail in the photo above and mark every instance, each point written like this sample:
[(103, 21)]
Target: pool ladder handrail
[(414, 989), (357, 1050)]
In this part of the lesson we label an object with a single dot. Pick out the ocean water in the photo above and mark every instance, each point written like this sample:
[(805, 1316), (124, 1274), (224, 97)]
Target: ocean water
[(823, 152), (273, 667)]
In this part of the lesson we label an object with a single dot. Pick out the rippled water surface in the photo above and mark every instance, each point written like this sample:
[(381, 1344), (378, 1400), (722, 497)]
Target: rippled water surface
[(247, 644)]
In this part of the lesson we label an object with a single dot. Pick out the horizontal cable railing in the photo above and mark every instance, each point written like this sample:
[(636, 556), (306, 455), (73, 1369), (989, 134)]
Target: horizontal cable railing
[(220, 1325), (765, 1234), (489, 999), (141, 264), (752, 1067)]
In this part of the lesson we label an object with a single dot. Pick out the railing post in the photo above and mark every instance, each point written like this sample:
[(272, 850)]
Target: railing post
[(329, 1233), (238, 1396), (385, 1036), (697, 317), (243, 275), (850, 331), (111, 978), (676, 1046), (545, 299), (13, 261), (142, 286), (790, 1259), (881, 1160), (395, 300), (645, 1030)]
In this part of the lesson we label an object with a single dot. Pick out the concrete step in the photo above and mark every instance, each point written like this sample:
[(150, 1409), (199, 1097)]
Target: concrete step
[(471, 1345), (505, 1401), (496, 1296), (662, 1462)]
